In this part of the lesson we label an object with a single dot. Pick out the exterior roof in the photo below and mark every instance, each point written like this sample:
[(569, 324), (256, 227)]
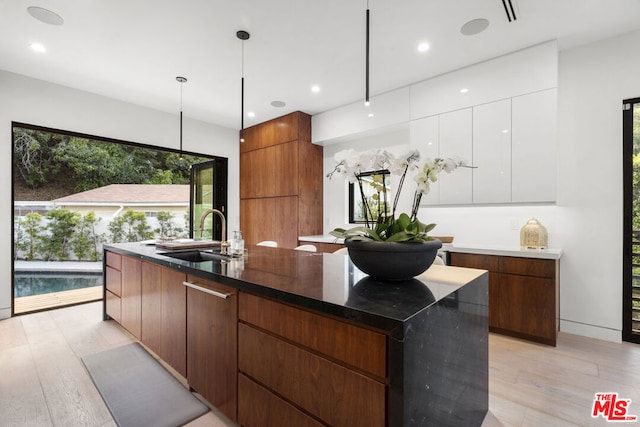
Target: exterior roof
[(146, 194)]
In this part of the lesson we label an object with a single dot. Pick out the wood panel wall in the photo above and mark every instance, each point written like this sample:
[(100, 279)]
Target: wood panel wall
[(280, 181)]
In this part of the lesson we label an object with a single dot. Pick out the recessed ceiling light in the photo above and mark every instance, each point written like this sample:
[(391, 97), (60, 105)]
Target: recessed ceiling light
[(464, 90), (370, 115), (38, 47), (505, 130), (475, 26), (315, 88), (278, 104), (423, 47), (45, 15), (251, 114)]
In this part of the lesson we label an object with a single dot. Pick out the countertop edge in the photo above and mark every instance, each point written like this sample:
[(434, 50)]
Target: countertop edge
[(553, 254), (364, 318), (471, 249)]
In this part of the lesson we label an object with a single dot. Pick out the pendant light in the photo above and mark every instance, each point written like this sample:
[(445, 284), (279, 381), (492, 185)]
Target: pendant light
[(181, 80), (366, 93), (242, 35)]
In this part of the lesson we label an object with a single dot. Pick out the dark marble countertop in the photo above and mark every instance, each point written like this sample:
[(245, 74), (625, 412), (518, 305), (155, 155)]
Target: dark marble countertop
[(327, 283)]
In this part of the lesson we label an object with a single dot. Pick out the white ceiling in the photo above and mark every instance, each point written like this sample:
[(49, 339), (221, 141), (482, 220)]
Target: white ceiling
[(133, 50)]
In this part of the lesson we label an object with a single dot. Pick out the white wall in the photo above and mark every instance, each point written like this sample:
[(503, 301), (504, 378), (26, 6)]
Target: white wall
[(593, 82), (587, 221), (36, 102)]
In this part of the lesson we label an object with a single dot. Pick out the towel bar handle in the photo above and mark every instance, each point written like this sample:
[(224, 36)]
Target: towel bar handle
[(207, 291)]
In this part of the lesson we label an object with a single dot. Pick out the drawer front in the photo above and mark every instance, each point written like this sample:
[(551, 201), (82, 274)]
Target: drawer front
[(113, 306), (525, 305), (258, 407), (358, 347), (114, 260), (113, 280), (509, 265), (331, 392)]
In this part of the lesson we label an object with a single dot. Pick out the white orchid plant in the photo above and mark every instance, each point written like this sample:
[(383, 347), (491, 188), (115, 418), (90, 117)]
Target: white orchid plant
[(353, 166)]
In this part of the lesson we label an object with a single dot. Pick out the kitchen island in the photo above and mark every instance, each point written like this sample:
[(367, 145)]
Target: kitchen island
[(284, 337)]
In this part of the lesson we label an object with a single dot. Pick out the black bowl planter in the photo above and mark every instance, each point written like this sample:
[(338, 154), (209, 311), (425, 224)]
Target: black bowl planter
[(392, 260)]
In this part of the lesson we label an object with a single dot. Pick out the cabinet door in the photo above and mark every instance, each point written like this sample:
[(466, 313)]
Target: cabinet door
[(329, 391), (424, 134), (270, 171), (523, 305), (131, 295), (258, 407), (456, 141), (212, 366), (151, 307), (262, 219), (113, 280), (173, 349), (492, 152), (534, 147), (112, 306)]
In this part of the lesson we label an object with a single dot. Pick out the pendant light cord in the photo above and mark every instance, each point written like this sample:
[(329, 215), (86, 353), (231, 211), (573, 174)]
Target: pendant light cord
[(242, 35), (180, 119), (181, 80), (366, 97), (242, 95)]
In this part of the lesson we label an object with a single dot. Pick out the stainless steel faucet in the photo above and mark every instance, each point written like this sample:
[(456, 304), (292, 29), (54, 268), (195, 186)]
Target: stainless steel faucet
[(223, 243)]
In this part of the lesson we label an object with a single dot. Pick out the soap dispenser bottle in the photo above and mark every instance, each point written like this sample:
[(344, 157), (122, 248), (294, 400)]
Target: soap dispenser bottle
[(237, 244)]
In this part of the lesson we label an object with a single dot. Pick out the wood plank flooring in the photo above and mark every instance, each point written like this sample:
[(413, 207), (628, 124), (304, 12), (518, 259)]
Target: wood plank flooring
[(43, 381), (57, 299)]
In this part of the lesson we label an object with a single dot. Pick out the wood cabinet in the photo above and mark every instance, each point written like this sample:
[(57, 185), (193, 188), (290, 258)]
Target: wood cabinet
[(334, 372), (270, 172), (152, 306), (173, 349), (280, 181), (164, 316), (212, 316), (257, 406), (523, 294), (269, 216), (150, 302), (113, 286), (131, 315)]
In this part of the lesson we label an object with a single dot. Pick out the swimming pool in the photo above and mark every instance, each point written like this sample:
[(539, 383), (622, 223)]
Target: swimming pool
[(30, 283)]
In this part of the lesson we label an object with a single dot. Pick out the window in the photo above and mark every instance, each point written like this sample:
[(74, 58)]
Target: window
[(71, 194), (371, 184)]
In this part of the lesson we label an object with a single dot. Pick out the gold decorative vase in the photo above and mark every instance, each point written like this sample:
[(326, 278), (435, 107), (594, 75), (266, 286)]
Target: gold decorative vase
[(533, 235)]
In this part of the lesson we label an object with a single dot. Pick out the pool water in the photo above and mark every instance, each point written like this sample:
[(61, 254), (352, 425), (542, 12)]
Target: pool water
[(27, 284)]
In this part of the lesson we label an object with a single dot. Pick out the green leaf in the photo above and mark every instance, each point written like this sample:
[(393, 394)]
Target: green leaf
[(401, 236)]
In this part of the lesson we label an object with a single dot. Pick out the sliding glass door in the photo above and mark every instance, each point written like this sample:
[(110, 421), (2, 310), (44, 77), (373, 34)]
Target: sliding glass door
[(631, 174), (208, 191)]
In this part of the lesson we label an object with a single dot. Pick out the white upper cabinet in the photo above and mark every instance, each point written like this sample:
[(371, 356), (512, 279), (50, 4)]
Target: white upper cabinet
[(525, 71), (424, 135), (492, 152), (456, 141), (533, 145)]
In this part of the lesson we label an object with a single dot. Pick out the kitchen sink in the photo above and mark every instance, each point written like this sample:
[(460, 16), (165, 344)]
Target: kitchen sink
[(197, 256)]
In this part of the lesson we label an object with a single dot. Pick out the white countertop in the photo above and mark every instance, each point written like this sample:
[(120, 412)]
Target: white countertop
[(327, 238), (514, 251), (469, 249)]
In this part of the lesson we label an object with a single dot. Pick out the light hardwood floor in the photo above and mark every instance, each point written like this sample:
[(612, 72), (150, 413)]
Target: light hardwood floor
[(43, 381)]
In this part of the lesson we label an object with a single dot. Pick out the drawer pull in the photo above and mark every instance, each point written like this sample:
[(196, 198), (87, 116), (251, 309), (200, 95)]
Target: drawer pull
[(207, 291)]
